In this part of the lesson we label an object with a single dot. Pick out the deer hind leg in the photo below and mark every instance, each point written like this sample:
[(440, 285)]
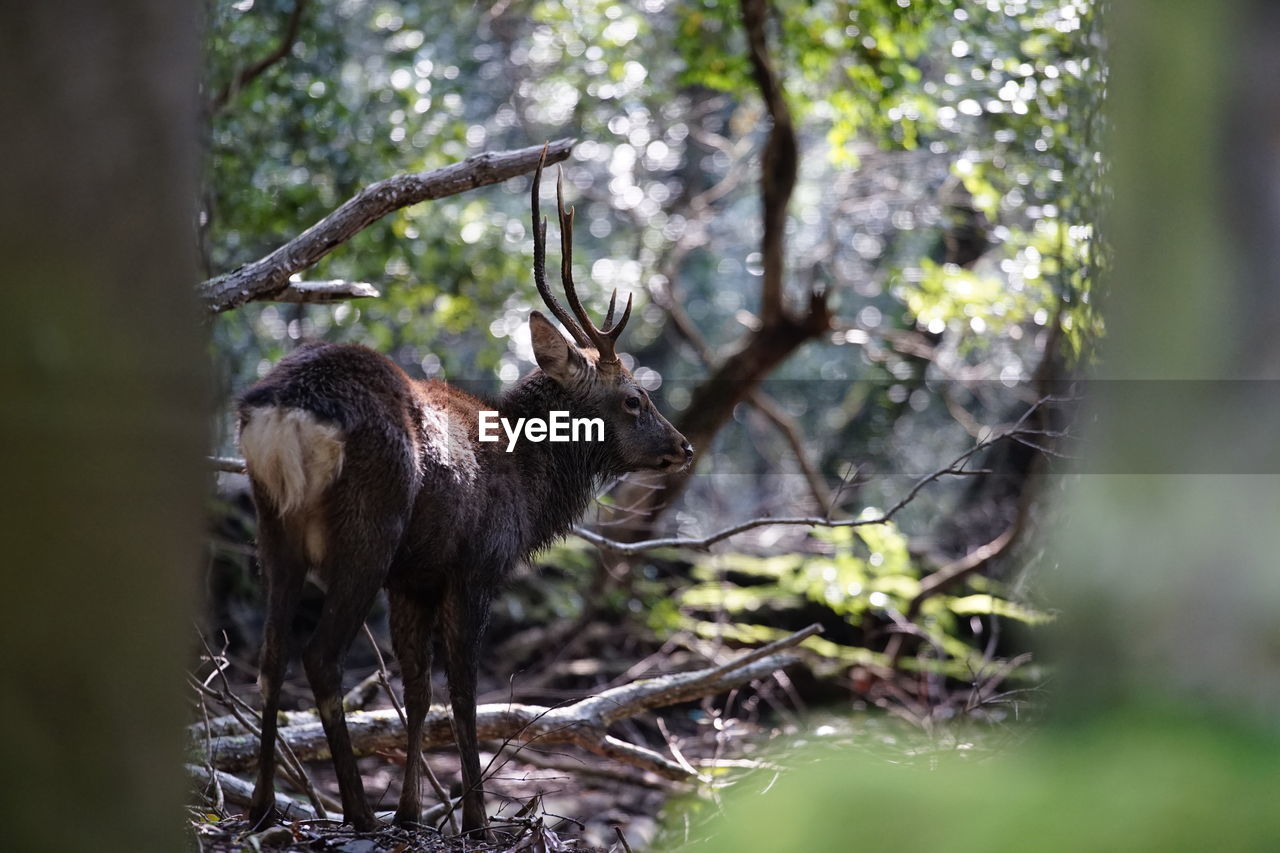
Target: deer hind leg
[(284, 570), (463, 620), (354, 571), (413, 622)]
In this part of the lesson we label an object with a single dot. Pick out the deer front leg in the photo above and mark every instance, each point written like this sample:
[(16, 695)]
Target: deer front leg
[(465, 615)]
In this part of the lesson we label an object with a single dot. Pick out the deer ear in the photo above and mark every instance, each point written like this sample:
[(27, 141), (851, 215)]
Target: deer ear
[(557, 357)]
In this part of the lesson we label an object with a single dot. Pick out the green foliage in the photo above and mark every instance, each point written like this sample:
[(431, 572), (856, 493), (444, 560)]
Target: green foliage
[(1009, 89), (893, 100), (865, 575), (946, 294)]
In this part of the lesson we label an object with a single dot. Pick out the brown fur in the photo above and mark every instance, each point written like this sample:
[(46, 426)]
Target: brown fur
[(368, 479)]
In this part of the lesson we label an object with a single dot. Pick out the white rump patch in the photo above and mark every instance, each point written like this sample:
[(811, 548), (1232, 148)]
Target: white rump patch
[(448, 443), (294, 457)]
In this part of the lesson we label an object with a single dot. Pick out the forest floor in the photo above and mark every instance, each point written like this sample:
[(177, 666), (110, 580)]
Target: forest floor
[(563, 798), (553, 798)]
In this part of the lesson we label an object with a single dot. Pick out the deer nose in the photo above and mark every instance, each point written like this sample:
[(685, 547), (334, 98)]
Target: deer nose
[(688, 451)]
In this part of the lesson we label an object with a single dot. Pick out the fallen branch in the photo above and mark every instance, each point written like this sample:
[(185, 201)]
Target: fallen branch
[(356, 699), (584, 723), (572, 764), (240, 792), (267, 277)]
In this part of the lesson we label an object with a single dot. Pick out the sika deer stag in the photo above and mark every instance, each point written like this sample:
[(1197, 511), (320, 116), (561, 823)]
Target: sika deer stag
[(364, 478)]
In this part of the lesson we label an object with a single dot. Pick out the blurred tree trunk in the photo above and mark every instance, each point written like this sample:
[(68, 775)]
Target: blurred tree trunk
[(103, 402), (1169, 576)]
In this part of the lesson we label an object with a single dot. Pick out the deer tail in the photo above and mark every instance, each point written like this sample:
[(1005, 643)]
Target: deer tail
[(291, 454)]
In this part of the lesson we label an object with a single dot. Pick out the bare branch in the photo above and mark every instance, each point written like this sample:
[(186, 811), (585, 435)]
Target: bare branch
[(247, 75), (960, 569), (665, 297), (268, 276), (229, 464), (325, 291), (957, 468), (790, 430)]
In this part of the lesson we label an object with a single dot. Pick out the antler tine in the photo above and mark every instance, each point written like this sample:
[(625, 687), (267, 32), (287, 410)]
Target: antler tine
[(540, 261), (566, 260), (603, 339), (612, 331), (608, 315)]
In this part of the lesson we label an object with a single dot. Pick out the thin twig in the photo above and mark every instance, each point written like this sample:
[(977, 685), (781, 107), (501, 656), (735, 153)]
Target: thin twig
[(414, 749), (293, 767), (955, 468), (247, 75)]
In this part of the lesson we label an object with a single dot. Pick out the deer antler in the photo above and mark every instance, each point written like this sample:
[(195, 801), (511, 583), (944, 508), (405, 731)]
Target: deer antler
[(583, 331)]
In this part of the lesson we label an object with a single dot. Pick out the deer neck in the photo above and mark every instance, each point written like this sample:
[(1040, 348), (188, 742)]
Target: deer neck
[(560, 478)]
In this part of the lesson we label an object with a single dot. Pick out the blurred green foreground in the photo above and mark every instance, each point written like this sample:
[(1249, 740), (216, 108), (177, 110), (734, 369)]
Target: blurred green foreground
[(1167, 652)]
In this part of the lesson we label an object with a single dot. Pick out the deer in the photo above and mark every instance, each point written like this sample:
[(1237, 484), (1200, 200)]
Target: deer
[(365, 479)]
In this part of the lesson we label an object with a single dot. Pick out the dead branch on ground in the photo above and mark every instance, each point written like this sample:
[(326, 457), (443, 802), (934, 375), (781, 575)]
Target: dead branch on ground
[(584, 723), (240, 793)]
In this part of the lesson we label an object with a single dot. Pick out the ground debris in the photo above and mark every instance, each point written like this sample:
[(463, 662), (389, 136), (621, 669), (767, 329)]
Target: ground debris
[(533, 835)]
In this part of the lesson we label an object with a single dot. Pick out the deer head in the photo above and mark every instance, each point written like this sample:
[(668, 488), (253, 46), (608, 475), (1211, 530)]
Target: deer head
[(588, 370)]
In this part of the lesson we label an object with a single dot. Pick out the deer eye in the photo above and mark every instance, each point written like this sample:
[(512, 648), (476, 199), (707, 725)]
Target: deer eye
[(632, 403)]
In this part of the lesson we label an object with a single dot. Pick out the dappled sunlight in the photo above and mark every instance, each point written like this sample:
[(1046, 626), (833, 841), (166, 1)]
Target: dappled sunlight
[(870, 359)]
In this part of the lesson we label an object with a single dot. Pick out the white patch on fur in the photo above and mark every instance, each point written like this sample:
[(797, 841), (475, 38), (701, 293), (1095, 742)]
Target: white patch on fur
[(448, 443), (294, 457), (313, 539)]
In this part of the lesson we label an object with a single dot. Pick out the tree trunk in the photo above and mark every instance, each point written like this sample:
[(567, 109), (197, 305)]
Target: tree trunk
[(1169, 565), (103, 402)]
